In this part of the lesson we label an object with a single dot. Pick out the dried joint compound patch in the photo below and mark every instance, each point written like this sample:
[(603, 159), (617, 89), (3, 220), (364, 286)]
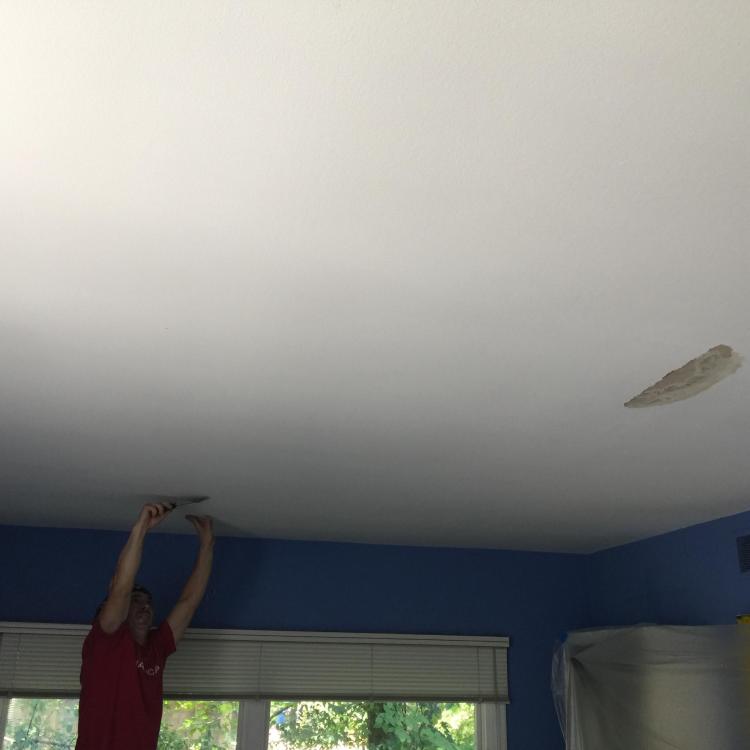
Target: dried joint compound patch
[(696, 376)]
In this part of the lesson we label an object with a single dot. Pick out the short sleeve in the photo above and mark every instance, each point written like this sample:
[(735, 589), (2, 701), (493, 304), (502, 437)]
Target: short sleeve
[(163, 639)]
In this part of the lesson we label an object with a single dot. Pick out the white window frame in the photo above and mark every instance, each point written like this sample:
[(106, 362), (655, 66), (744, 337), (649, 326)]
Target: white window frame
[(252, 726), (4, 705), (491, 726)]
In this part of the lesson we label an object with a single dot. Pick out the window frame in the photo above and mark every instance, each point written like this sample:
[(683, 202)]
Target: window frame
[(4, 706)]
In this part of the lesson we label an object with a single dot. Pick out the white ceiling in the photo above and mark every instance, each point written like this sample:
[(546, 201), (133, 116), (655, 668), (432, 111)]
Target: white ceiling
[(374, 271)]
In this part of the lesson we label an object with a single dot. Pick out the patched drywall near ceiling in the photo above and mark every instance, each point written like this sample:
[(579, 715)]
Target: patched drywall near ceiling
[(373, 272), (692, 378)]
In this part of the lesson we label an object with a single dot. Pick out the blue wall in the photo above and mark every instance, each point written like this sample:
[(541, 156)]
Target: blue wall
[(61, 575), (689, 576), (686, 577)]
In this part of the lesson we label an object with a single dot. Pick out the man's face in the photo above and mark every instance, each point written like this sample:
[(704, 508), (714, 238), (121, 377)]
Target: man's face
[(141, 613)]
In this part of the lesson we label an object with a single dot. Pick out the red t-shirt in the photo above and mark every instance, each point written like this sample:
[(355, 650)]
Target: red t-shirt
[(121, 689)]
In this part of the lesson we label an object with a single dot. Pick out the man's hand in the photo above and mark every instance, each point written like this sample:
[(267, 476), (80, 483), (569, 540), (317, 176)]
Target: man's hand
[(153, 514), (204, 527)]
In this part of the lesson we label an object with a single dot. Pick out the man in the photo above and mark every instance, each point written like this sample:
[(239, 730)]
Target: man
[(123, 658)]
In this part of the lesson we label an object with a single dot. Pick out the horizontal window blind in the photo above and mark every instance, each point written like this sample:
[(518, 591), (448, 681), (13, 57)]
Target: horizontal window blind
[(238, 664)]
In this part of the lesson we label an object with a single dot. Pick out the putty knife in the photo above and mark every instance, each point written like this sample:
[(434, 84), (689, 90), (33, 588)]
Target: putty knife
[(176, 501)]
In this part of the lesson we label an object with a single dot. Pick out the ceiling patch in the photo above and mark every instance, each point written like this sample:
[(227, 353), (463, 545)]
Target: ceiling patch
[(690, 379)]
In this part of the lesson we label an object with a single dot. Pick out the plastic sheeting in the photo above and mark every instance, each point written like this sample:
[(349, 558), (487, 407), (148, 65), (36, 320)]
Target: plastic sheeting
[(654, 688)]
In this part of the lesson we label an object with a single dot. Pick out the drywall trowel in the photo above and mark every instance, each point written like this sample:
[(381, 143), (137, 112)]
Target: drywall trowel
[(176, 501)]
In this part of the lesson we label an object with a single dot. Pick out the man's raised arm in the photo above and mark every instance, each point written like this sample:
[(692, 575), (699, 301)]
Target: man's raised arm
[(179, 618), (115, 608)]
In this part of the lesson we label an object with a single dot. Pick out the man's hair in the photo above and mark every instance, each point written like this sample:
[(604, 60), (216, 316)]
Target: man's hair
[(138, 589)]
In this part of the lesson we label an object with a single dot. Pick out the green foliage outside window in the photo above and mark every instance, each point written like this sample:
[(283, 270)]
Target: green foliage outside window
[(199, 725), (41, 724), (313, 725), (51, 724)]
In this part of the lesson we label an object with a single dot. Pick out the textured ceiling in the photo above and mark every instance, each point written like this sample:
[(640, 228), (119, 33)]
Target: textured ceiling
[(374, 271)]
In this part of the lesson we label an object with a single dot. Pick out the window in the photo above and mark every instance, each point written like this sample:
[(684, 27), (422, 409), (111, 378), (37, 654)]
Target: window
[(358, 725), (195, 725), (348, 725), (42, 723), (51, 724), (330, 691)]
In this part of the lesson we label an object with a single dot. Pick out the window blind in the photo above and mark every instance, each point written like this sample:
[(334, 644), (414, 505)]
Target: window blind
[(38, 659)]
